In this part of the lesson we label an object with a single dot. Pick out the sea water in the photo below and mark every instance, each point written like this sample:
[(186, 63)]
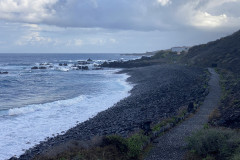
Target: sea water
[(40, 103)]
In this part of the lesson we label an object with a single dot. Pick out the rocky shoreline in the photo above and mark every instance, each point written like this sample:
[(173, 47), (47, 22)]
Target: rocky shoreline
[(160, 91)]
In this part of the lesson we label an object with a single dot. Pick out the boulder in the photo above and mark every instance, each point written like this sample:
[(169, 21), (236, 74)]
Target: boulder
[(4, 72), (60, 64), (89, 60), (145, 126), (35, 67), (65, 64), (42, 67), (85, 68), (190, 107)]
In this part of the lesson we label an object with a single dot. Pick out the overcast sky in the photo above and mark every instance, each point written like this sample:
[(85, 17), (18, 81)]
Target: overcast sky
[(112, 26)]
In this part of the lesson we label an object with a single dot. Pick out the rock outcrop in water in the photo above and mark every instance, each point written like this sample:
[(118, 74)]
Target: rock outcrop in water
[(4, 72), (42, 67), (35, 67)]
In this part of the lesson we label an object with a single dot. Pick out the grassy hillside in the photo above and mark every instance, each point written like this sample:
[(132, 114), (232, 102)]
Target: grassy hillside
[(224, 52)]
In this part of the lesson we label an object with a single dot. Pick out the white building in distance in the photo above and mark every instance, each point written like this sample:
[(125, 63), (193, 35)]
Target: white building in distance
[(180, 49)]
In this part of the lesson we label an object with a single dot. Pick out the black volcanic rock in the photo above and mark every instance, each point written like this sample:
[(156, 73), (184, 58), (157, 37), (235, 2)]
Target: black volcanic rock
[(85, 68), (5, 72), (42, 67), (35, 67)]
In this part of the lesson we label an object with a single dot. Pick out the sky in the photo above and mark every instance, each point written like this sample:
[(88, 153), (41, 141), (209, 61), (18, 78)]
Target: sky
[(113, 26)]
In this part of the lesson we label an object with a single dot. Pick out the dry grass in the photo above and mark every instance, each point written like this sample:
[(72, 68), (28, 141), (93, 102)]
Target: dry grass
[(69, 149), (214, 115), (191, 156)]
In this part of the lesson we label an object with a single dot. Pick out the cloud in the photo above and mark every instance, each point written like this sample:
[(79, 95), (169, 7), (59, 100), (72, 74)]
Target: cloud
[(33, 38), (78, 42), (209, 14), (113, 40), (164, 2), (118, 14), (138, 15), (32, 26), (33, 11), (204, 19)]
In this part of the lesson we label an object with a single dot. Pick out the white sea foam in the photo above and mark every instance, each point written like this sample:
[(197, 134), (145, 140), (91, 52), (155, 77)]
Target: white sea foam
[(46, 106), (64, 69), (25, 127)]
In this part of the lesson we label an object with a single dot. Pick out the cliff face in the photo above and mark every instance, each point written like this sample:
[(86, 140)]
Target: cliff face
[(224, 52)]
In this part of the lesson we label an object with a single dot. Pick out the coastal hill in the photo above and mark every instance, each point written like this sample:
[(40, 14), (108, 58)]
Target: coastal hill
[(224, 52)]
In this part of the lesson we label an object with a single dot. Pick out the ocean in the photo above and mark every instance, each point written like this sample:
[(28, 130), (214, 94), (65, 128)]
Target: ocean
[(40, 103)]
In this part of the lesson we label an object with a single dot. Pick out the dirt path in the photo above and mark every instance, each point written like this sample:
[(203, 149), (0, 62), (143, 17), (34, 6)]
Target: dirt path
[(170, 146)]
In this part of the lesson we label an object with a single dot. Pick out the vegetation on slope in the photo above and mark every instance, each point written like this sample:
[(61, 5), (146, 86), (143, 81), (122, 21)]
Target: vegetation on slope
[(218, 143), (228, 113), (214, 144), (161, 57), (111, 147), (225, 54)]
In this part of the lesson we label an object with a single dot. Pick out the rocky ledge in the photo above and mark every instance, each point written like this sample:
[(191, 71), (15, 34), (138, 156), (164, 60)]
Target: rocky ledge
[(159, 93)]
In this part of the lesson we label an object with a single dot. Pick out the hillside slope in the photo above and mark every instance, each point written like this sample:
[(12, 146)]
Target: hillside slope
[(224, 52)]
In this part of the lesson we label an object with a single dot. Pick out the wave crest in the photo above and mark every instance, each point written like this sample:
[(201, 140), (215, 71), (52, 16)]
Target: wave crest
[(45, 106)]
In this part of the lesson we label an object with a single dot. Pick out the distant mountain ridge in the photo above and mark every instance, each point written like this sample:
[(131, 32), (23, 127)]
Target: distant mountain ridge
[(225, 52)]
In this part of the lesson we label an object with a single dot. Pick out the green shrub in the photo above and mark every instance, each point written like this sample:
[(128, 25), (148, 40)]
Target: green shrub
[(236, 155), (213, 142), (158, 126), (206, 126), (132, 146), (209, 158), (135, 145), (120, 142)]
